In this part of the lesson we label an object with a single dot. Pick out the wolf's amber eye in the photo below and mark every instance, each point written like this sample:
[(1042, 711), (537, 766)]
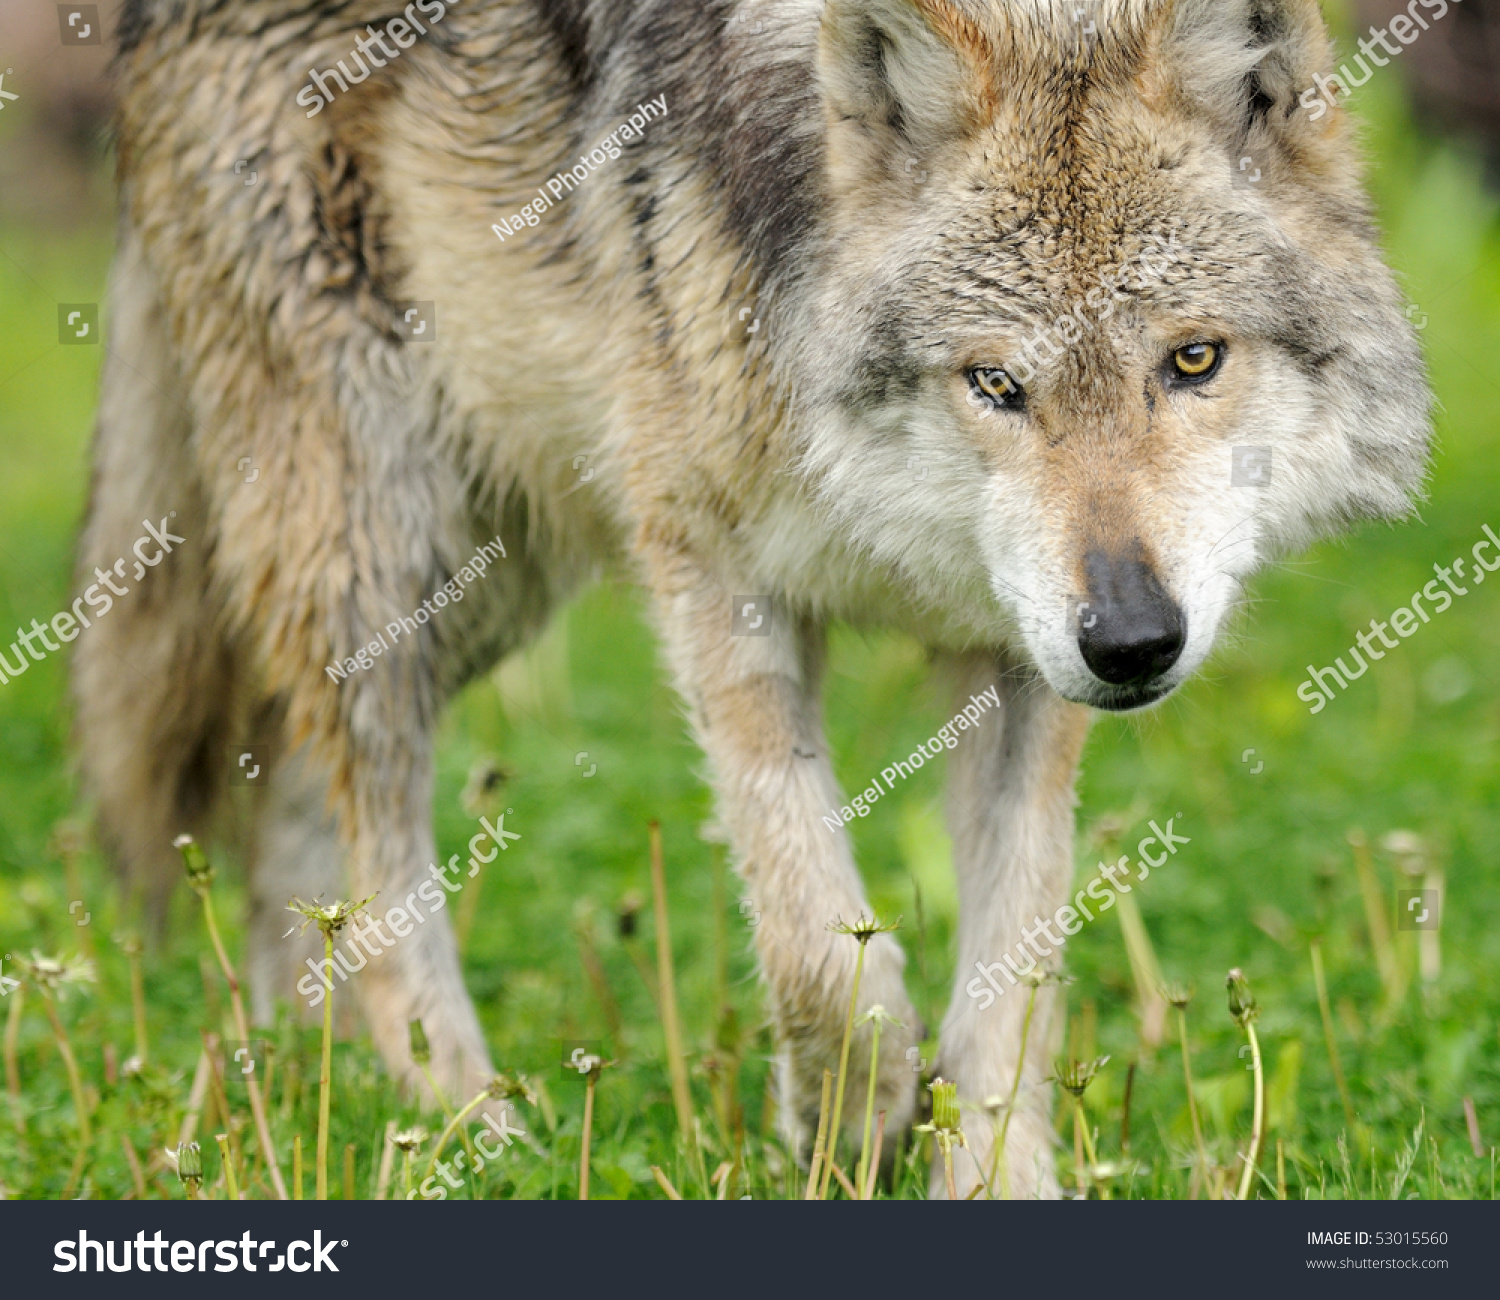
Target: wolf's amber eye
[(996, 388), (1197, 361)]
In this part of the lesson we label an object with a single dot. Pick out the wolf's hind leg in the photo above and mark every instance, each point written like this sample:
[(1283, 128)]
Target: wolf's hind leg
[(358, 519), (154, 674), (1010, 812), (296, 853)]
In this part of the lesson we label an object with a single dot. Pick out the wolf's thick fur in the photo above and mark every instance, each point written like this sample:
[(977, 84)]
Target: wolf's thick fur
[(899, 191)]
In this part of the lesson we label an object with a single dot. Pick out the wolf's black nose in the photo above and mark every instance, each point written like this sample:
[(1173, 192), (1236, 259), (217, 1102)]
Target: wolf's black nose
[(1130, 631)]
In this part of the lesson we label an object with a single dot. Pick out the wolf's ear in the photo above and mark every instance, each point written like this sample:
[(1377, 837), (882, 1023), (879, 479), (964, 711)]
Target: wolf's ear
[(1253, 66), (901, 77)]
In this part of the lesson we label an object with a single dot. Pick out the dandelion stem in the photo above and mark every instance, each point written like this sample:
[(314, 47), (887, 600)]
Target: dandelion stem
[(448, 1129), (997, 1162), (1187, 1075), (197, 1094), (1078, 1156), (1375, 916), (216, 1082), (325, 1075), (231, 1184), (12, 1064), (75, 1080), (1081, 1124), (838, 1100), (682, 1097), (1257, 1127), (665, 1184), (1471, 1119), (137, 999), (1080, 1118), (387, 1154), (74, 1173), (874, 1170), (437, 1092), (817, 1157), (849, 1188), (137, 1174), (1328, 1036), (421, 1053), (242, 1026), (861, 1172), (588, 1133)]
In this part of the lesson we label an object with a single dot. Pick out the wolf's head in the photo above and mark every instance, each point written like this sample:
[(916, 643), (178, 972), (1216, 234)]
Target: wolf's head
[(1102, 322)]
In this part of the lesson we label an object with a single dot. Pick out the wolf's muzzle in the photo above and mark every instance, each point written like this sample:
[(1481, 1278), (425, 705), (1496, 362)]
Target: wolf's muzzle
[(1135, 631)]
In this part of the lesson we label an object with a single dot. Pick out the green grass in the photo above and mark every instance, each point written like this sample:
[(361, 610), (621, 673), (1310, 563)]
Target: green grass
[(1413, 745)]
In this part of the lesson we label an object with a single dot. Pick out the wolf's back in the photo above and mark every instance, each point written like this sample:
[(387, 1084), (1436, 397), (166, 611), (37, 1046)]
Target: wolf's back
[(140, 19)]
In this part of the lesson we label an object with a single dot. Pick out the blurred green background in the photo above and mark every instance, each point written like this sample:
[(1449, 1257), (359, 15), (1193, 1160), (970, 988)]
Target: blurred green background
[(1270, 870)]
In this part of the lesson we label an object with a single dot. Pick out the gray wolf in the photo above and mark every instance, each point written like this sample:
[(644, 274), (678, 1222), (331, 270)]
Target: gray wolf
[(776, 334)]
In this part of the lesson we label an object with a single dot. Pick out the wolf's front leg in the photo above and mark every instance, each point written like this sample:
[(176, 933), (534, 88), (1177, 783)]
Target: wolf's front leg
[(752, 691), (1011, 817)]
